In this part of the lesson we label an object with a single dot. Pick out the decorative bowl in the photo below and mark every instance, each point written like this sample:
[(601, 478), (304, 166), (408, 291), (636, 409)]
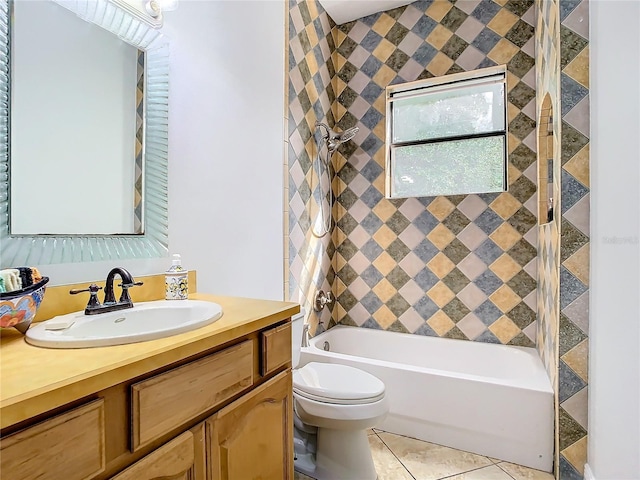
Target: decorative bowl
[(18, 308)]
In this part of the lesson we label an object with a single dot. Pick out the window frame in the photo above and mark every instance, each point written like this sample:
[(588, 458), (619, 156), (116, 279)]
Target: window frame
[(455, 82)]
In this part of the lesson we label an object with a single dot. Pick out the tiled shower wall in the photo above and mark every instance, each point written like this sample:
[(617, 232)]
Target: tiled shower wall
[(563, 57), (310, 99), (437, 266), (564, 341), (548, 89), (573, 344), (461, 267), (457, 266)]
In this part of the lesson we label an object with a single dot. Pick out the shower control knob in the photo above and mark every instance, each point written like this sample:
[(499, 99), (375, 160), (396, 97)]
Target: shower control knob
[(322, 299)]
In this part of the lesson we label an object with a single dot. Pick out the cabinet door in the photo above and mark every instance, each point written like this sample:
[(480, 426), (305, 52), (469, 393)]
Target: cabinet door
[(180, 459), (68, 446), (251, 439)]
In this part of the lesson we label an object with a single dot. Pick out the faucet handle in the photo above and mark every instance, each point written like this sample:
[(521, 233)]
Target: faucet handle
[(93, 288), (124, 296), (322, 299), (93, 299), (129, 285)]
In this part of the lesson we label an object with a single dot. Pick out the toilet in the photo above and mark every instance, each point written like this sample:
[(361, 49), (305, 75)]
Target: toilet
[(334, 405)]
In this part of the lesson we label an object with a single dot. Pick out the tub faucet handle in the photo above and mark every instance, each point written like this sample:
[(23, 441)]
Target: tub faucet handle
[(322, 299)]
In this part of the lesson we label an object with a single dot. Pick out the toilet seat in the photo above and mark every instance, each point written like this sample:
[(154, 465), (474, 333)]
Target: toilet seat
[(337, 384)]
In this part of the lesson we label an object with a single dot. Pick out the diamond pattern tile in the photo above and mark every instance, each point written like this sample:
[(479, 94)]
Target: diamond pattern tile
[(456, 280), (505, 267), (504, 329), (456, 222), (425, 265), (425, 307), (440, 265), (441, 236), (504, 298), (505, 236), (456, 251), (563, 257), (487, 312), (440, 323), (472, 296), (471, 326)]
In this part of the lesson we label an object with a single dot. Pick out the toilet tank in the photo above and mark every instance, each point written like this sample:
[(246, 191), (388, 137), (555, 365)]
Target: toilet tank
[(297, 324)]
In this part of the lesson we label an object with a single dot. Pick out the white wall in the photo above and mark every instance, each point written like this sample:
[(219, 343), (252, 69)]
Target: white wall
[(226, 144), (614, 355)]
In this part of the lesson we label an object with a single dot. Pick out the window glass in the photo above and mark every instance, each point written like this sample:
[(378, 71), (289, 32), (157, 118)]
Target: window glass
[(449, 113), (447, 168), (447, 135)]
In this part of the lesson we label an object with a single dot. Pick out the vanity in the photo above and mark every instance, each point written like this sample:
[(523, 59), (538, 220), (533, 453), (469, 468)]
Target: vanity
[(208, 404), (213, 403)]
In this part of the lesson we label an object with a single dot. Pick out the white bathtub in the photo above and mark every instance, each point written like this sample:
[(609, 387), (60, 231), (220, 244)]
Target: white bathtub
[(492, 400)]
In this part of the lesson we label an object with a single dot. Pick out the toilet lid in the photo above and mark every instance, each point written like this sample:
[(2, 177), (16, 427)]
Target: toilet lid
[(336, 383)]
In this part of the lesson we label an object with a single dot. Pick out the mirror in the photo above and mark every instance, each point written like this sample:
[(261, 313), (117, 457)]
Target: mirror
[(108, 161), (78, 95)]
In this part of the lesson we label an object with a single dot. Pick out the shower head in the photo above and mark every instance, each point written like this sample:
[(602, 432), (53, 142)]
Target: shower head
[(345, 136), (335, 139)]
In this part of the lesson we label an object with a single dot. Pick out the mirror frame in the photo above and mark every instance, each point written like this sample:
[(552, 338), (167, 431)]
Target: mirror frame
[(17, 250)]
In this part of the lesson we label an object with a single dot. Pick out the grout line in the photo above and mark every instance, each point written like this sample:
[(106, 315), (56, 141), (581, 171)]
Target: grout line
[(491, 463), (469, 471), (394, 454), (376, 432), (438, 445), (498, 464)]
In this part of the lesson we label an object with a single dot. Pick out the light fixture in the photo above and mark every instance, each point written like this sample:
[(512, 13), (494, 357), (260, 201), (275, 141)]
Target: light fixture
[(153, 8), (156, 7), (147, 11)]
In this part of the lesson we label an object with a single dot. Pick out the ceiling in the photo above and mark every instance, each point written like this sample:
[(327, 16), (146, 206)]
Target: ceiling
[(343, 11)]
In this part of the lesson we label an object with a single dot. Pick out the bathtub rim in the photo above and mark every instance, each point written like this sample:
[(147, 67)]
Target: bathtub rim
[(540, 382)]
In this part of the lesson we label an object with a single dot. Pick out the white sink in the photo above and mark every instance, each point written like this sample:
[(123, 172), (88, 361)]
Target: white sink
[(145, 321)]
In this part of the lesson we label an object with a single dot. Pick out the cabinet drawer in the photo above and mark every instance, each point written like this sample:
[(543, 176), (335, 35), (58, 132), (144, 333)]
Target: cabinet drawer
[(275, 348), (167, 401), (175, 460), (69, 446)]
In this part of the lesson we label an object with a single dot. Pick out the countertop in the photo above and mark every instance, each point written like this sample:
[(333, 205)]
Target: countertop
[(34, 380)]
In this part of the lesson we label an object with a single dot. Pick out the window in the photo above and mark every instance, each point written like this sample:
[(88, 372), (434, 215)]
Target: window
[(447, 135)]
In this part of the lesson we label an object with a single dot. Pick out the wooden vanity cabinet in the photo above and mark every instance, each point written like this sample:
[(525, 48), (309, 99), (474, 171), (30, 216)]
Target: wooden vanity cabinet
[(253, 437), (227, 414), (69, 446), (176, 460), (166, 401)]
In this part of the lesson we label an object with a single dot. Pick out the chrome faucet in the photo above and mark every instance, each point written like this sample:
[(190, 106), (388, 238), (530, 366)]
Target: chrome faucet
[(305, 335), (109, 305)]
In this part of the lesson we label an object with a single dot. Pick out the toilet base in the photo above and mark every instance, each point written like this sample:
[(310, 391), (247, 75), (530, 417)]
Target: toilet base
[(340, 455), (305, 463), (344, 455)]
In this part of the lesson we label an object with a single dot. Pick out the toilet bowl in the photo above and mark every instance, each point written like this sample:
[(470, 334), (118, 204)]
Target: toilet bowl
[(339, 403)]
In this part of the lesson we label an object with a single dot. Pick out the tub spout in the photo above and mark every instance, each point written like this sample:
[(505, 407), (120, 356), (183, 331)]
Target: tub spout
[(305, 335)]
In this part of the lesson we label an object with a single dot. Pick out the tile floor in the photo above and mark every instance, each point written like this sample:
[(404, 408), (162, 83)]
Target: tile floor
[(402, 458)]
